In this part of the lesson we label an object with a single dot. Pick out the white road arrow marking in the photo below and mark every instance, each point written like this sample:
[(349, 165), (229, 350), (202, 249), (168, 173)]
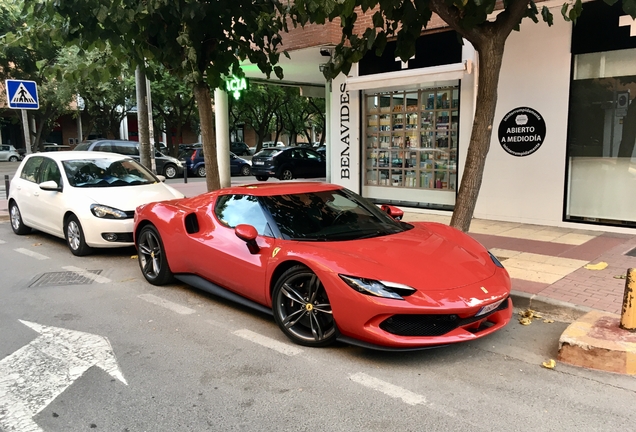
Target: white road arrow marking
[(33, 376)]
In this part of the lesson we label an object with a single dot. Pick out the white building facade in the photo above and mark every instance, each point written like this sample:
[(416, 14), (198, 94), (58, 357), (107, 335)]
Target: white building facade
[(564, 133)]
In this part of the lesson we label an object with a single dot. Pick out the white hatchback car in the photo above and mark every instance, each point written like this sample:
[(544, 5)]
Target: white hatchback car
[(88, 198)]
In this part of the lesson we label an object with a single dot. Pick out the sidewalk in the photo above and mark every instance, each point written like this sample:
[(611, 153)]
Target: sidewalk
[(546, 264)]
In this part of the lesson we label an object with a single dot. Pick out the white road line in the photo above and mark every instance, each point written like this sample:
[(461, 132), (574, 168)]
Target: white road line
[(2, 242), (282, 348), (32, 254), (388, 389), (174, 307), (87, 274)]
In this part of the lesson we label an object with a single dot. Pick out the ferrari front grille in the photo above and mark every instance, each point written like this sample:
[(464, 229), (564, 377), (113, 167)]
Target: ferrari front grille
[(431, 324)]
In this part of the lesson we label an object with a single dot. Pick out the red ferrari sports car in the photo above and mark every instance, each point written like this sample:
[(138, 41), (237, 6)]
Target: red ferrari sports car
[(328, 264)]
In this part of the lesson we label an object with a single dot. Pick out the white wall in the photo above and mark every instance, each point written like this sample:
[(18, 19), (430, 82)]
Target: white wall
[(536, 74)]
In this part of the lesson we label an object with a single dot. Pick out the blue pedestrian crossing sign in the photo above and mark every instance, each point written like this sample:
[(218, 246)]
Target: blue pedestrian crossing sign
[(22, 94)]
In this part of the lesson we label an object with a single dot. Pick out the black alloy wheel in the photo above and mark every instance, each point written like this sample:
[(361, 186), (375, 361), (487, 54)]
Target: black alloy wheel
[(302, 309), (201, 171), (262, 178), (74, 235), (286, 174), (152, 256), (245, 170), (17, 224), (170, 171)]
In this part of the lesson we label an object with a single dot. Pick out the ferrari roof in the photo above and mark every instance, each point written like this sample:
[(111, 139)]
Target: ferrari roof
[(279, 188)]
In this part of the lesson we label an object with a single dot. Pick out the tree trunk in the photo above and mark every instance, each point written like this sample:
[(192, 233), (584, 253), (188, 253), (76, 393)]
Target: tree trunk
[(204, 104), (490, 58), (142, 118)]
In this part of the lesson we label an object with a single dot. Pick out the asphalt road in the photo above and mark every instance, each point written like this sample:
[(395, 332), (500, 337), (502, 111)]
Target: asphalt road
[(193, 362)]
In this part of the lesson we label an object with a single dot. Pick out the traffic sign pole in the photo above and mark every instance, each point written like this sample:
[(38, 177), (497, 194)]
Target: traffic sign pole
[(27, 133)]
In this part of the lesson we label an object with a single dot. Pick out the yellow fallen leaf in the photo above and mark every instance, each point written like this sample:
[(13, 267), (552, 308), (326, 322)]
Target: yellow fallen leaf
[(133, 257), (525, 321), (548, 321), (528, 313), (550, 364), (37, 244), (620, 276), (598, 266)]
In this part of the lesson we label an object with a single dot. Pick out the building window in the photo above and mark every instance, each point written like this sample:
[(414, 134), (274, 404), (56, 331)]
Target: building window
[(602, 138), (411, 138)]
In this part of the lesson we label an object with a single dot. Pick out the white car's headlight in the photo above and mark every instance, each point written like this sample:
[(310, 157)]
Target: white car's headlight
[(102, 211), (378, 288)]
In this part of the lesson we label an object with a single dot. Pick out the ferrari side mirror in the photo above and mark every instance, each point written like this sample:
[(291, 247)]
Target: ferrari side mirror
[(392, 211), (248, 234)]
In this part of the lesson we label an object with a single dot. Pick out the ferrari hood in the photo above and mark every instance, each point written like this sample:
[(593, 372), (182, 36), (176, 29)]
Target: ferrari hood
[(420, 258), (127, 198)]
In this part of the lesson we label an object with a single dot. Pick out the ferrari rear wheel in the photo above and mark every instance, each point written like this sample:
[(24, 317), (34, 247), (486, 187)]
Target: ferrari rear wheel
[(152, 256), (302, 309)]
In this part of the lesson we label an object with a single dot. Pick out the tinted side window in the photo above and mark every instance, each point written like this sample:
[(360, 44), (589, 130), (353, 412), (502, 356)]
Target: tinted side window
[(31, 169), (50, 171), (127, 149), (312, 155), (105, 147), (233, 210), (5, 148)]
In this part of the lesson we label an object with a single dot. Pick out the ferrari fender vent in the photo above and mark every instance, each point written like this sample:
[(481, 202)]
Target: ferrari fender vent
[(430, 324), (191, 223)]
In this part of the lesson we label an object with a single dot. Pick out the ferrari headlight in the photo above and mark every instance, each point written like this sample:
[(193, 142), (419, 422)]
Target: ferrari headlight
[(378, 288), (102, 211), (495, 260)]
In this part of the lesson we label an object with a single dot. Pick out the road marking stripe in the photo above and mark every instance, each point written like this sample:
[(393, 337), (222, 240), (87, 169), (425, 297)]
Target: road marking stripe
[(32, 254), (88, 275), (282, 348), (174, 307), (2, 242), (388, 389)]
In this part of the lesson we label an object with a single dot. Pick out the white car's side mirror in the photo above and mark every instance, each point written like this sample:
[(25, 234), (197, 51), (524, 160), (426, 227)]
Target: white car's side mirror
[(161, 178), (50, 186)]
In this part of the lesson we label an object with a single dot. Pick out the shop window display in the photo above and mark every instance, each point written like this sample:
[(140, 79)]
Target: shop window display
[(411, 138), (602, 138)]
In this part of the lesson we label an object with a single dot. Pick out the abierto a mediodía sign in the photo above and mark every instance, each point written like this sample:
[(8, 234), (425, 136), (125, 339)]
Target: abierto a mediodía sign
[(522, 131)]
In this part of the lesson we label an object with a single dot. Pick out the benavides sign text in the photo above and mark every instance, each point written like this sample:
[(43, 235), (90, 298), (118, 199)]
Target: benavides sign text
[(522, 131)]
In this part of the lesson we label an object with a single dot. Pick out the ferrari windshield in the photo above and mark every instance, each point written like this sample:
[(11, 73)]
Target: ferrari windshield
[(329, 215), (106, 173)]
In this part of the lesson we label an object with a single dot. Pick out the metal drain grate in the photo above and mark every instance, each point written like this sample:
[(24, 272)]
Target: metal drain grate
[(631, 253), (63, 278)]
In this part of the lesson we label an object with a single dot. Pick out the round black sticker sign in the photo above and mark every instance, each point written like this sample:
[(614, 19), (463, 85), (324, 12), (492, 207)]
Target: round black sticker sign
[(522, 131)]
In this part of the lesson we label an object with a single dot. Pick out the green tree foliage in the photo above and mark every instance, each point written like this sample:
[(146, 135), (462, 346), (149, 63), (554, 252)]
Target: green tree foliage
[(173, 107), (106, 89), (28, 53), (404, 21), (257, 109), (198, 41)]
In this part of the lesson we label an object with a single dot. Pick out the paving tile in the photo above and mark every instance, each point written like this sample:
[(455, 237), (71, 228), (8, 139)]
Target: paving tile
[(528, 286), (593, 249)]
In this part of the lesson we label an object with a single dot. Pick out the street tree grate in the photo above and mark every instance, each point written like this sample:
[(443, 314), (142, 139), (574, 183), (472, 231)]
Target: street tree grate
[(63, 278), (631, 253)]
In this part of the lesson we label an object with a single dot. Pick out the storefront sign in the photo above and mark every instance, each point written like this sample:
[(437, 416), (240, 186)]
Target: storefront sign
[(522, 131), (235, 85), (345, 121)]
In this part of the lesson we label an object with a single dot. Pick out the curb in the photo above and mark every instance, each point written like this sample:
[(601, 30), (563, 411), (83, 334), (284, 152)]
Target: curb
[(561, 310)]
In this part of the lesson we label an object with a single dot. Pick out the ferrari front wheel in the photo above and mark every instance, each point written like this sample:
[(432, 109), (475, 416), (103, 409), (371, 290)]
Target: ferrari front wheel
[(302, 309), (152, 256)]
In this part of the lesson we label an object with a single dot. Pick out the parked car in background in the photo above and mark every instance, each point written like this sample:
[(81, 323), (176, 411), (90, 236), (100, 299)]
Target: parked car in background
[(166, 165), (240, 148), (9, 153), (52, 147), (288, 163), (328, 264), (270, 144), (87, 198), (195, 163)]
